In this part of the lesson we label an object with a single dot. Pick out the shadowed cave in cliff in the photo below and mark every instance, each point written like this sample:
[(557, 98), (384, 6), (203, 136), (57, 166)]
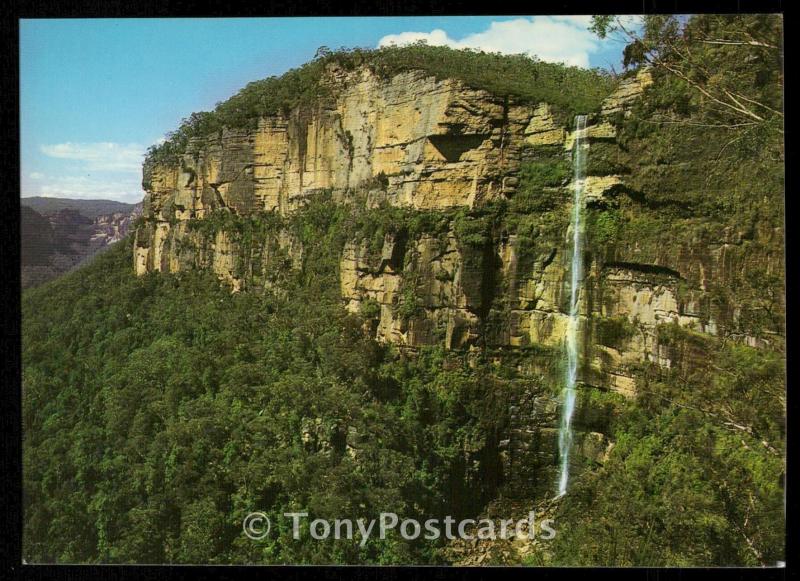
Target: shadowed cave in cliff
[(452, 146)]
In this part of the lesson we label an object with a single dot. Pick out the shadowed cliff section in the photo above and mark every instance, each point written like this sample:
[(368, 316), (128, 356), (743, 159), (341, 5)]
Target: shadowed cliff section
[(58, 234)]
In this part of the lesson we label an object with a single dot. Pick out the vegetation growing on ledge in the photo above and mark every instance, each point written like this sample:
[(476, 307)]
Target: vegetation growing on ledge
[(213, 222), (603, 225), (567, 89), (612, 332), (538, 182)]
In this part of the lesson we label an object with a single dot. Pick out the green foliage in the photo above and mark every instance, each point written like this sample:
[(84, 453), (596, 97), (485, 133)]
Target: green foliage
[(518, 76), (612, 332), (472, 229), (540, 174), (374, 224), (605, 158), (672, 335), (246, 226), (537, 180), (725, 71), (604, 225), (409, 303), (370, 309)]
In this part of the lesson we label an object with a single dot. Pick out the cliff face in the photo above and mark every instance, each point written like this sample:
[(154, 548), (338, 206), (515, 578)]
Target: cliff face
[(416, 142), (439, 147), (435, 143)]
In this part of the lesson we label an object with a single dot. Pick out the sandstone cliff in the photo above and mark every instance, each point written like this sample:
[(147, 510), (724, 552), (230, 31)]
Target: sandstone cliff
[(478, 282)]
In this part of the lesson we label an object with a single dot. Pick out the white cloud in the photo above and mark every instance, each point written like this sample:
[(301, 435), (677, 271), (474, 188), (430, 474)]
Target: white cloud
[(437, 37), (88, 171), (582, 20), (102, 156), (550, 38)]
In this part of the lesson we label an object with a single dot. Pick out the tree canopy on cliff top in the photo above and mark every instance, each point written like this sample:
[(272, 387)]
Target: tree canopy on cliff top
[(726, 70), (569, 89)]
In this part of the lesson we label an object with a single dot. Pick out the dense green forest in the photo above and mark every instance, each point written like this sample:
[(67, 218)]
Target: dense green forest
[(174, 408), (159, 410), (685, 484)]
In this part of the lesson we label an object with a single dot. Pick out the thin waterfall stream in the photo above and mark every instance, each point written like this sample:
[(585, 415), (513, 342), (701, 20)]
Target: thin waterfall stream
[(573, 326)]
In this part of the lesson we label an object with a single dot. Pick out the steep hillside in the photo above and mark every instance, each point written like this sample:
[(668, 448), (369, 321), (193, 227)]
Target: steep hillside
[(38, 241), (63, 234)]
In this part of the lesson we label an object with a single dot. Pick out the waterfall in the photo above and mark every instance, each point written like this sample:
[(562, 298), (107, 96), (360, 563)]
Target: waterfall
[(572, 338)]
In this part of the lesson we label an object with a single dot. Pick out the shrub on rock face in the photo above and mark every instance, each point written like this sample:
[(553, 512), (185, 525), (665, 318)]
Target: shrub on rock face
[(370, 309)]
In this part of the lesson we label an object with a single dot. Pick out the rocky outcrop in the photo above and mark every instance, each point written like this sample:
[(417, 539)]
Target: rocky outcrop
[(543, 129), (442, 285), (110, 228), (626, 94), (419, 141)]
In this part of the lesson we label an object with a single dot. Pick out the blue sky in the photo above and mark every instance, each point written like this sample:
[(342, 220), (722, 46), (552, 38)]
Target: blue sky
[(95, 94)]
